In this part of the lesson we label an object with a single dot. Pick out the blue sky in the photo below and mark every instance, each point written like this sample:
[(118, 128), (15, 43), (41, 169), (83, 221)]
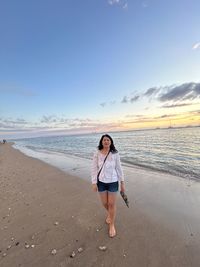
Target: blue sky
[(71, 66)]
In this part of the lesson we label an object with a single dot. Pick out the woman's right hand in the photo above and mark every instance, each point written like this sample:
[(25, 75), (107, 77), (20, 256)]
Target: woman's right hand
[(94, 187)]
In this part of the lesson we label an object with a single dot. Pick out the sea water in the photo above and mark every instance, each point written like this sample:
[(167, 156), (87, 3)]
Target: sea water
[(174, 150)]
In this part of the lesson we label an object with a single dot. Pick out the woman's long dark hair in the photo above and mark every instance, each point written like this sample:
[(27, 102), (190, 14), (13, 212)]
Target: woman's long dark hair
[(112, 146)]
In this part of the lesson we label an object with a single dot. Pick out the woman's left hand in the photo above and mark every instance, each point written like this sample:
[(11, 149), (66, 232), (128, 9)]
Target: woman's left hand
[(122, 187)]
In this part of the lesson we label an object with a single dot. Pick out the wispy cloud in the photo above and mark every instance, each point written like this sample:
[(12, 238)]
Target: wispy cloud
[(112, 2), (196, 46), (145, 119), (103, 104), (124, 100), (196, 112), (151, 91), (134, 116), (134, 99), (49, 119), (63, 122), (50, 122), (178, 105), (121, 3), (11, 123), (53, 125)]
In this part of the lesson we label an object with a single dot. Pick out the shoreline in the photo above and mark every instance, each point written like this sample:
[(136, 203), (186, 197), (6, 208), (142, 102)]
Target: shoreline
[(34, 196)]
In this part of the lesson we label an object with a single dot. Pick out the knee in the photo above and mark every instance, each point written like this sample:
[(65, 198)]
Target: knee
[(111, 205)]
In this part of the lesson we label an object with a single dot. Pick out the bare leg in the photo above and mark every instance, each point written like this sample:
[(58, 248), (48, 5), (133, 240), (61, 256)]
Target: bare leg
[(104, 200), (112, 213)]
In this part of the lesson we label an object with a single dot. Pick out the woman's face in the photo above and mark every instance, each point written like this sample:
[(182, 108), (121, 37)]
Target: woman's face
[(106, 142)]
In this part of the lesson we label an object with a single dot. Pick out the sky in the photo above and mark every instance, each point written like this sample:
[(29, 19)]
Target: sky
[(85, 66)]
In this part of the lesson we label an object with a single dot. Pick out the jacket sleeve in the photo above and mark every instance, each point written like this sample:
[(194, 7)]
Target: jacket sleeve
[(94, 169), (119, 170)]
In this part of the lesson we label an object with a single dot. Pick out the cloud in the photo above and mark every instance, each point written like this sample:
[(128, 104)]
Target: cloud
[(134, 99), (12, 123), (196, 112), (151, 91), (122, 3), (113, 2), (103, 104), (177, 105), (196, 46), (174, 95), (54, 121), (134, 116), (125, 99), (170, 93), (135, 119), (197, 89), (53, 125), (186, 91), (13, 130), (48, 119), (17, 121)]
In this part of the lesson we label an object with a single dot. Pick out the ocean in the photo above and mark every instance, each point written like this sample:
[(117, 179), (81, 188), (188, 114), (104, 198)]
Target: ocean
[(174, 150)]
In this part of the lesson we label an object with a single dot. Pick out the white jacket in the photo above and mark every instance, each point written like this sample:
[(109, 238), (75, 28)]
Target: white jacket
[(111, 171)]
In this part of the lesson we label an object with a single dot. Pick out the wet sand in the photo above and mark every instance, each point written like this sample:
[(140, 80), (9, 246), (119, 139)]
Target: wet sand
[(46, 208)]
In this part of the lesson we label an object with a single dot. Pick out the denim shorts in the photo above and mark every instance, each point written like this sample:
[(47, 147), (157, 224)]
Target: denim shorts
[(110, 187)]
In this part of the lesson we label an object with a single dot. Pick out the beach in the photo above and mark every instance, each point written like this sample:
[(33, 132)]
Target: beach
[(45, 209)]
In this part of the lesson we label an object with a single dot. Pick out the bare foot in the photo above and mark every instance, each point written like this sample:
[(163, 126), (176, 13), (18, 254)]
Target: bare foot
[(108, 220), (112, 231)]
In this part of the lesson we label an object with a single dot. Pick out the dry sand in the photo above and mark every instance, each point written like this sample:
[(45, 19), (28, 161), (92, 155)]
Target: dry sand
[(34, 196)]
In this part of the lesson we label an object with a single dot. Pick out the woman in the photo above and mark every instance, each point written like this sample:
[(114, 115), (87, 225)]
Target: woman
[(106, 175)]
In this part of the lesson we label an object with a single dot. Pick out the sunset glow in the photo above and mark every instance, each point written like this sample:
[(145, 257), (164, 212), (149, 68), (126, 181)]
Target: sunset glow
[(84, 67)]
